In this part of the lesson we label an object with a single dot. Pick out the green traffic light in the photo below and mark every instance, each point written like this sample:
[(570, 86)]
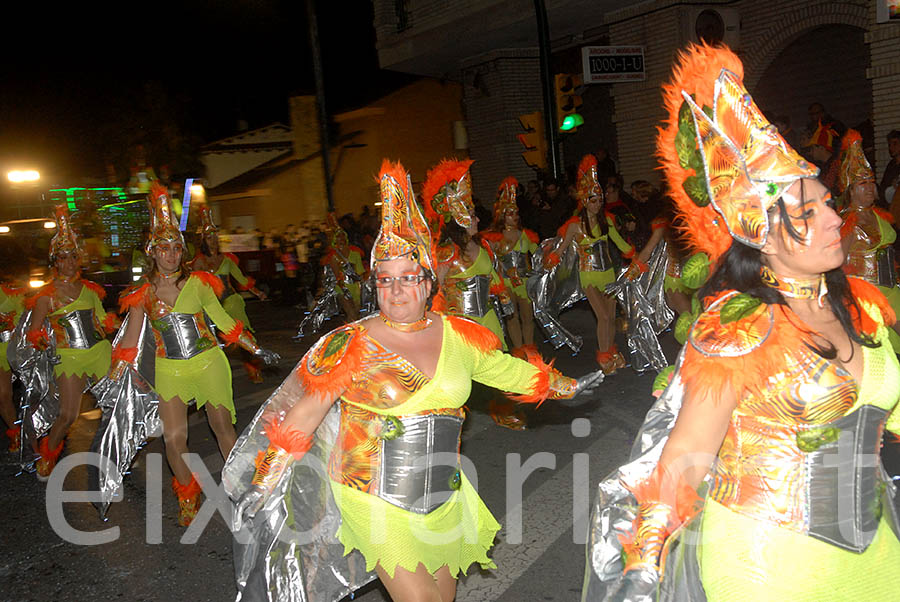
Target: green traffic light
[(570, 122)]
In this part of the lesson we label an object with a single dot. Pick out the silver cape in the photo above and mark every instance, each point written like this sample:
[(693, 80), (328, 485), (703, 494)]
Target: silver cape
[(130, 417), (39, 403), (554, 290), (289, 551), (644, 304)]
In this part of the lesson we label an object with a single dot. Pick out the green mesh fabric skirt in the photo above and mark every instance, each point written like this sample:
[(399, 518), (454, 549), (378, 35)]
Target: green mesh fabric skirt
[(205, 378), (92, 362)]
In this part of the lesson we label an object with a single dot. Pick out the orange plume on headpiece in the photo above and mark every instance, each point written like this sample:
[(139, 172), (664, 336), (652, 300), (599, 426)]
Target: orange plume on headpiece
[(403, 232), (506, 199), (854, 165), (587, 184), (207, 226), (163, 224), (65, 240), (725, 164), (447, 193)]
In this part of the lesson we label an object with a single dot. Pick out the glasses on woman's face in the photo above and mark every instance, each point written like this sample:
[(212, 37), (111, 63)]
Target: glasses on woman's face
[(409, 280)]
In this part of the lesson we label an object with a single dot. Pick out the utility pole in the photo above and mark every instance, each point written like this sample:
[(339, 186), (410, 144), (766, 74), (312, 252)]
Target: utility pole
[(543, 29), (320, 98)]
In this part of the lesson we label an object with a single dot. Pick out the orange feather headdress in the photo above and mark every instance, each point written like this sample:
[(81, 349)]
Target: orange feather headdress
[(506, 198), (725, 164), (587, 185), (854, 165), (447, 193), (163, 223), (65, 240)]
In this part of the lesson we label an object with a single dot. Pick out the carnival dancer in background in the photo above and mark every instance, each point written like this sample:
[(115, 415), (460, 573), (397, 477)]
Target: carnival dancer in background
[(393, 386), (345, 261), (592, 229), (788, 364), (513, 246), (225, 266), (190, 366), (466, 267), (73, 309), (867, 231), (12, 304)]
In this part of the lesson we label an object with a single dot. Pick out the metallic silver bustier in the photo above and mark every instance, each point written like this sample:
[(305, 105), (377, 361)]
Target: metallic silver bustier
[(474, 296), (598, 256), (181, 337), (515, 260), (79, 328), (419, 468)]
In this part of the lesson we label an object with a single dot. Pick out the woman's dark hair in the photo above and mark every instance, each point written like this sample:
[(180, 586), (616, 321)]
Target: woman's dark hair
[(601, 219), (453, 232), (740, 268), (204, 246), (154, 269)]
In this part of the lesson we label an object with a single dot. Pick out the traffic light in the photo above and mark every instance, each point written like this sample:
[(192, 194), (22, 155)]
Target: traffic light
[(567, 102), (535, 153)]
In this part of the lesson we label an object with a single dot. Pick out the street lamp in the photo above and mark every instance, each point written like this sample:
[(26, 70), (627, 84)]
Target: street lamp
[(18, 176)]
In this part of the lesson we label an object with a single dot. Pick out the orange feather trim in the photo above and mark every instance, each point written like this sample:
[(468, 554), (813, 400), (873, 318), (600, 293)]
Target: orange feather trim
[(188, 491), (532, 235), (438, 176), (210, 280), (885, 215), (696, 72), (867, 292), (232, 336), (709, 377), (288, 438), (335, 381), (587, 162), (111, 321), (497, 289), (45, 291), (358, 250), (37, 338), (439, 302), (45, 451), (326, 258), (507, 181), (126, 354), (562, 229), (251, 282), (849, 138), (491, 236), (540, 381), (133, 298), (96, 288), (234, 258), (552, 260), (474, 334), (13, 291)]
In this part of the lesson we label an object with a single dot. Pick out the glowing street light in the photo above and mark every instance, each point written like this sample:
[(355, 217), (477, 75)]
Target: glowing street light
[(17, 176)]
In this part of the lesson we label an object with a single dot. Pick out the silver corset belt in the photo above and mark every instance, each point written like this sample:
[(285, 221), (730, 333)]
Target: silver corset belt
[(475, 292), (515, 260), (884, 260), (420, 466), (181, 336), (598, 256), (79, 328), (848, 488), (5, 336), (227, 289)]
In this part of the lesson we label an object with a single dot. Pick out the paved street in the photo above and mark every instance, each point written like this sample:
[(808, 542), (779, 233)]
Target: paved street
[(548, 564)]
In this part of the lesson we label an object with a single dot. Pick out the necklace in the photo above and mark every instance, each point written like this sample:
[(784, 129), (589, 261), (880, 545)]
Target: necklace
[(167, 277), (420, 324), (797, 288)]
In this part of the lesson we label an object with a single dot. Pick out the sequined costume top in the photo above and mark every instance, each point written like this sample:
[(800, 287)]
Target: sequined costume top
[(593, 251), (514, 257)]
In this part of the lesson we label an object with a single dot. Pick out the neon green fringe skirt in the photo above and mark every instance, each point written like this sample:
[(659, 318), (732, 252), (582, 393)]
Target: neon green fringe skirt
[(456, 534), (205, 378), (92, 362)]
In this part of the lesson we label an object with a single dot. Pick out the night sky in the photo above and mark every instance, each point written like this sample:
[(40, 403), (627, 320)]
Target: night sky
[(79, 89)]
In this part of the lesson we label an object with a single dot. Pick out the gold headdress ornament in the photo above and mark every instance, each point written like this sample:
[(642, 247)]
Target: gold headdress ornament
[(587, 185), (163, 225), (506, 198), (854, 165), (65, 240), (447, 193), (337, 236), (725, 164), (403, 232), (207, 226)]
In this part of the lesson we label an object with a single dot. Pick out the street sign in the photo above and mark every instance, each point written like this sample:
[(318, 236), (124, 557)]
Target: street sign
[(613, 64)]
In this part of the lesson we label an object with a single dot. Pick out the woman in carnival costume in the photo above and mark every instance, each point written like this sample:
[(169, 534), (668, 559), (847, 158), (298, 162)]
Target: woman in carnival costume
[(225, 266), (470, 284), (867, 231), (392, 386), (72, 308), (592, 229), (788, 364), (345, 261), (12, 304), (514, 246), (189, 365)]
